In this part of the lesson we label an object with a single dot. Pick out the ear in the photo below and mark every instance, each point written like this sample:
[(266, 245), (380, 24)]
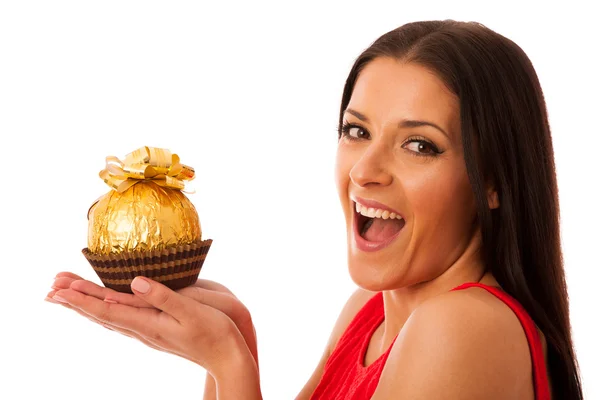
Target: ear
[(492, 197)]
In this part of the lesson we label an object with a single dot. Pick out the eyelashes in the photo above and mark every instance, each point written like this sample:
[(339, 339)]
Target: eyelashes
[(346, 128), (418, 142)]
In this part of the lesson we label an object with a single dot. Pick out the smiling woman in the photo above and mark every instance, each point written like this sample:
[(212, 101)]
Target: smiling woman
[(443, 127), (406, 165), (445, 174)]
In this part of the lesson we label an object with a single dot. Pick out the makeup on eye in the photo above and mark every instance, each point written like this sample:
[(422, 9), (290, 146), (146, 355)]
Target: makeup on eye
[(347, 129), (422, 143)]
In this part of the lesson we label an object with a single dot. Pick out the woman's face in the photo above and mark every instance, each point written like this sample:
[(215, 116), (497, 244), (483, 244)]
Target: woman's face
[(413, 168)]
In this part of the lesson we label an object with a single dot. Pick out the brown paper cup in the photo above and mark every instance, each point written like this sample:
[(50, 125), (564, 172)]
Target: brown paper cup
[(176, 267)]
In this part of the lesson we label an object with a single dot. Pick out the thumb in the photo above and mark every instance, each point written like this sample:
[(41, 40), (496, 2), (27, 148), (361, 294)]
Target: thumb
[(161, 297)]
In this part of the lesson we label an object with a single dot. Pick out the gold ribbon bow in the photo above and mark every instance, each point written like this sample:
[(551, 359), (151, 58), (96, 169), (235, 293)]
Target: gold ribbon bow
[(146, 163)]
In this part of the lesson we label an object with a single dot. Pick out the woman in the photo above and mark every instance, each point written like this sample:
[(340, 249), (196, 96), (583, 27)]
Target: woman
[(446, 176)]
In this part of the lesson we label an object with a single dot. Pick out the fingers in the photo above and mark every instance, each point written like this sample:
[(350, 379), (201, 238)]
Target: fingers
[(223, 302), (178, 324), (90, 288), (106, 294), (140, 320), (68, 275), (78, 311), (50, 295), (67, 280), (163, 298), (122, 331), (212, 285), (62, 282)]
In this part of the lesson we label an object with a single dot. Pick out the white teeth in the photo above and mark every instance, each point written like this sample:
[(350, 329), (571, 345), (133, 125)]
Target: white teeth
[(376, 212)]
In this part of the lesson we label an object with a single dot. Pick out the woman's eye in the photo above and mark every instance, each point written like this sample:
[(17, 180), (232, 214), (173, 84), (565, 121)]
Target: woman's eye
[(421, 147), (354, 132)]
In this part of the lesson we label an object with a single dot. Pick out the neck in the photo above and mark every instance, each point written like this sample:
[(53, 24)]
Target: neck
[(400, 303)]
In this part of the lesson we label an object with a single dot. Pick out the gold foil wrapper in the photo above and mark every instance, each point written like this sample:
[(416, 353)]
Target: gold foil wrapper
[(146, 163), (144, 217)]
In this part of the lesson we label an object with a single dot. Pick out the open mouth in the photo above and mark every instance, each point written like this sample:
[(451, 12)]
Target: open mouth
[(364, 223), (377, 226)]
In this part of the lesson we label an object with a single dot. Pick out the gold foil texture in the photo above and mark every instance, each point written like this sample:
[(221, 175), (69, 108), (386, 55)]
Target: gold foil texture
[(146, 163), (145, 217)]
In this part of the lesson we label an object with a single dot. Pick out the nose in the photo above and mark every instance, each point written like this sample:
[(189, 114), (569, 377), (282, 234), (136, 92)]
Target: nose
[(371, 168)]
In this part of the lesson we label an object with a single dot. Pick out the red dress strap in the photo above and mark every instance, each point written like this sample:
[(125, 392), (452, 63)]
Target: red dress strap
[(345, 376), (540, 377)]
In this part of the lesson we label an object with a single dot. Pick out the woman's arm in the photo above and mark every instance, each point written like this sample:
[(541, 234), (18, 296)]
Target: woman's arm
[(210, 388), (238, 377)]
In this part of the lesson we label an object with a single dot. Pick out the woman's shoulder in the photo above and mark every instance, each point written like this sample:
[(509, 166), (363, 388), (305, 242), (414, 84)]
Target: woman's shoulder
[(475, 320), (474, 305), (465, 343)]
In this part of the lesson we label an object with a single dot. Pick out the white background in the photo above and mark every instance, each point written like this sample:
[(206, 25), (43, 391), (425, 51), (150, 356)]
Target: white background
[(247, 93)]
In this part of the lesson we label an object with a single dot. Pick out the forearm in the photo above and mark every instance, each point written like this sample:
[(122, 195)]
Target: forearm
[(238, 379), (233, 386), (210, 385), (210, 388)]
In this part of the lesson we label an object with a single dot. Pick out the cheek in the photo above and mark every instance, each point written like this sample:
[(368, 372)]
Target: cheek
[(440, 195)]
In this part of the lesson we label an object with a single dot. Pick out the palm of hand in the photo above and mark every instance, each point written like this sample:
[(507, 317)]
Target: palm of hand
[(193, 322)]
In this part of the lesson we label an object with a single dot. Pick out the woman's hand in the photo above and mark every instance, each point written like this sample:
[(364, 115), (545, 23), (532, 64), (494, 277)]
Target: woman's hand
[(204, 323)]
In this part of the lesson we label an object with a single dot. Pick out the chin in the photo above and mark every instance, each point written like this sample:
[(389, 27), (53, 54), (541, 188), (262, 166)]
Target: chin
[(374, 277)]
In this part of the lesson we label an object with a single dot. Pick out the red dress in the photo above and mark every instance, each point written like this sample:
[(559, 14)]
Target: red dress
[(346, 378)]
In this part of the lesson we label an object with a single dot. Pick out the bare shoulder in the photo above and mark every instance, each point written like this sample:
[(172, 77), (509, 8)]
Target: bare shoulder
[(355, 302), (461, 344)]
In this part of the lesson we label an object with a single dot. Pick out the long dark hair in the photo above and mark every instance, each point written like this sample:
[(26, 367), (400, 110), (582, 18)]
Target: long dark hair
[(507, 141)]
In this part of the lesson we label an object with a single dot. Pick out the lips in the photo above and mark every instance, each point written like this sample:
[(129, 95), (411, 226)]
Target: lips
[(358, 223)]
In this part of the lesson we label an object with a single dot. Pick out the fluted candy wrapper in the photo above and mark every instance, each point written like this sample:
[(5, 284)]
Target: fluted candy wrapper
[(175, 266), (145, 225)]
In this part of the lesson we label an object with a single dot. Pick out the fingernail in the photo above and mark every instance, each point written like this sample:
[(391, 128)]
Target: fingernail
[(59, 299), (140, 285), (110, 301), (51, 300)]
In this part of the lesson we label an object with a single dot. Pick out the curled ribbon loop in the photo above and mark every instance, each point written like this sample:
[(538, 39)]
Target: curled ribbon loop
[(146, 163)]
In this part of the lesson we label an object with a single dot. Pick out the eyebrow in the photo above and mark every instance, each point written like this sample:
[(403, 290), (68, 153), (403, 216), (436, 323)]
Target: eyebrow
[(405, 123)]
